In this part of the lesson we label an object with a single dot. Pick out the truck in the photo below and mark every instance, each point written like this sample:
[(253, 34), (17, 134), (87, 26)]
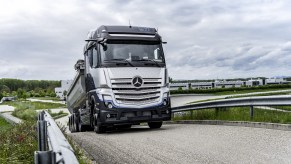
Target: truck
[(121, 81)]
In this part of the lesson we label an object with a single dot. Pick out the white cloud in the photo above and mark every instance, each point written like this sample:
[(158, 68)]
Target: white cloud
[(206, 39)]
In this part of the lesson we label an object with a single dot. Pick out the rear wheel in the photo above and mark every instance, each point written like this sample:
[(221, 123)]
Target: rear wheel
[(74, 123), (155, 125), (82, 128)]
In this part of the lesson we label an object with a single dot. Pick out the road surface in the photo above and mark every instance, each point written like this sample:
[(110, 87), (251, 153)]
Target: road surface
[(188, 144)]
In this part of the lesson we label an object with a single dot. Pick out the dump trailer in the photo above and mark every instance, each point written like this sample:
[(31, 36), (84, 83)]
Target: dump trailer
[(121, 81)]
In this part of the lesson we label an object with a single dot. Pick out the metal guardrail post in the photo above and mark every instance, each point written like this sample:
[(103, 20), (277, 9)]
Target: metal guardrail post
[(44, 157), (58, 150), (41, 116), (252, 112), (42, 135)]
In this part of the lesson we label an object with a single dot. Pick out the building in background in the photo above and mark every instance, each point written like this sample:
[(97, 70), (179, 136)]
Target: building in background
[(176, 86), (202, 85), (275, 81), (228, 84), (60, 91)]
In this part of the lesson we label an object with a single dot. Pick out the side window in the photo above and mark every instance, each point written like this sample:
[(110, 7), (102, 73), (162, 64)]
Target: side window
[(90, 56), (95, 58)]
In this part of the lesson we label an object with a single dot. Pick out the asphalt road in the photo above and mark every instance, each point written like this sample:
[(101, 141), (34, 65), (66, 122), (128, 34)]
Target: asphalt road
[(188, 144)]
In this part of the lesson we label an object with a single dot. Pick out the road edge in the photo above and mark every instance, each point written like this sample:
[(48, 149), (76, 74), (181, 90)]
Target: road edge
[(9, 118), (265, 125)]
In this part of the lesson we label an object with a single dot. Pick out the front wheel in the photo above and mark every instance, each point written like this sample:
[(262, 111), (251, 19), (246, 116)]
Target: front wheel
[(98, 128), (155, 125)]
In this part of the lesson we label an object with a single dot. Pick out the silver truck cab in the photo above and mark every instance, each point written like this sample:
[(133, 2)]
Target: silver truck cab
[(122, 80)]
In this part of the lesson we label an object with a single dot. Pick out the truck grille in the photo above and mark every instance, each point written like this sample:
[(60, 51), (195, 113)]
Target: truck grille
[(126, 93)]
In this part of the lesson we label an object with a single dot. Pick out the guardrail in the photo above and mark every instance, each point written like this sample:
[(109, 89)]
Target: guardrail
[(58, 150), (237, 102)]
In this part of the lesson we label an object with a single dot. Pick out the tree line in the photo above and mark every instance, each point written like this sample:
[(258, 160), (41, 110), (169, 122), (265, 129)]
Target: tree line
[(28, 88)]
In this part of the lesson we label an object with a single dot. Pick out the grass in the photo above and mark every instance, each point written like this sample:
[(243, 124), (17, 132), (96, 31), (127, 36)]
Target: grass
[(34, 105), (47, 98), (79, 152), (4, 125), (26, 110), (205, 100), (60, 114), (236, 114), (282, 107), (18, 143)]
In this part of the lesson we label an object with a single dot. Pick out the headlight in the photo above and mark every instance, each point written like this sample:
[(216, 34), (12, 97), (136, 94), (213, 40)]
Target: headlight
[(107, 98)]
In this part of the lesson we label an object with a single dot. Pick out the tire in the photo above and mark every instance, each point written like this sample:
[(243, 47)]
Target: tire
[(98, 128), (155, 125), (73, 129), (74, 123), (81, 127), (69, 123)]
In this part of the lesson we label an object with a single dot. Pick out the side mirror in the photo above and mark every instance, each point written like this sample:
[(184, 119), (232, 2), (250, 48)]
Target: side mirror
[(95, 40), (164, 42)]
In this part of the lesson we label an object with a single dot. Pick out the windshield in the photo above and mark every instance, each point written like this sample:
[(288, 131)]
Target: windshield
[(132, 52)]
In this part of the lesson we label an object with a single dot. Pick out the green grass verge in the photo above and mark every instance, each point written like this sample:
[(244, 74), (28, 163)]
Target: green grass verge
[(4, 125), (26, 110), (47, 98), (57, 115), (18, 143), (282, 107), (34, 105), (236, 114)]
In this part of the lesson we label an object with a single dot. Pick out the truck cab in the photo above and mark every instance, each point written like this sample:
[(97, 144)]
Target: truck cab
[(122, 81)]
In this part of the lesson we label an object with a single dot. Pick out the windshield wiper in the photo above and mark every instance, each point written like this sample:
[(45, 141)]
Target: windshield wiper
[(114, 60), (152, 60)]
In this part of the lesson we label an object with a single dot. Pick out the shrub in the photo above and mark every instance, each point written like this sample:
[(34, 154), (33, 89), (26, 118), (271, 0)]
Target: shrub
[(17, 145)]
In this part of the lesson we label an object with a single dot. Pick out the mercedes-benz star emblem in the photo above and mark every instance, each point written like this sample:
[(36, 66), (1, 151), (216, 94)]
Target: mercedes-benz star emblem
[(137, 81)]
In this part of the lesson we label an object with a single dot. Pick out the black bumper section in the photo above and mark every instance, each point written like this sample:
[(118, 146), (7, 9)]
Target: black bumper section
[(134, 116)]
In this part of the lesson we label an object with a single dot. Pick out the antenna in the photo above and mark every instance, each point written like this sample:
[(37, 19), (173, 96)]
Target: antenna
[(129, 23), (157, 29)]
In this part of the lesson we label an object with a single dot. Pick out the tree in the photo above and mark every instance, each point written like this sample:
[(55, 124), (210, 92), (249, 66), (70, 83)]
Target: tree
[(65, 93), (21, 93), (170, 79)]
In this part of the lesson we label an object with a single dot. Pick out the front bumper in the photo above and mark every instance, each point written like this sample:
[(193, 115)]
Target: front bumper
[(121, 116)]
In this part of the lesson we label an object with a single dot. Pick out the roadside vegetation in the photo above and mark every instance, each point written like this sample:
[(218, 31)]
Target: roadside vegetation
[(47, 98), (79, 152), (236, 114), (229, 91), (28, 88), (26, 110), (17, 143)]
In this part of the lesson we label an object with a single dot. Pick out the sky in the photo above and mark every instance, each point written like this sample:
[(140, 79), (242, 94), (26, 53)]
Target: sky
[(209, 39)]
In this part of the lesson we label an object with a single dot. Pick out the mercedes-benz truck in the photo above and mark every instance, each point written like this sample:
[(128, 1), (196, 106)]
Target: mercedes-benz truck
[(121, 81)]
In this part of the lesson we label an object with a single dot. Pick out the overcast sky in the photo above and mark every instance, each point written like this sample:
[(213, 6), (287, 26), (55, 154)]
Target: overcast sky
[(42, 39)]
